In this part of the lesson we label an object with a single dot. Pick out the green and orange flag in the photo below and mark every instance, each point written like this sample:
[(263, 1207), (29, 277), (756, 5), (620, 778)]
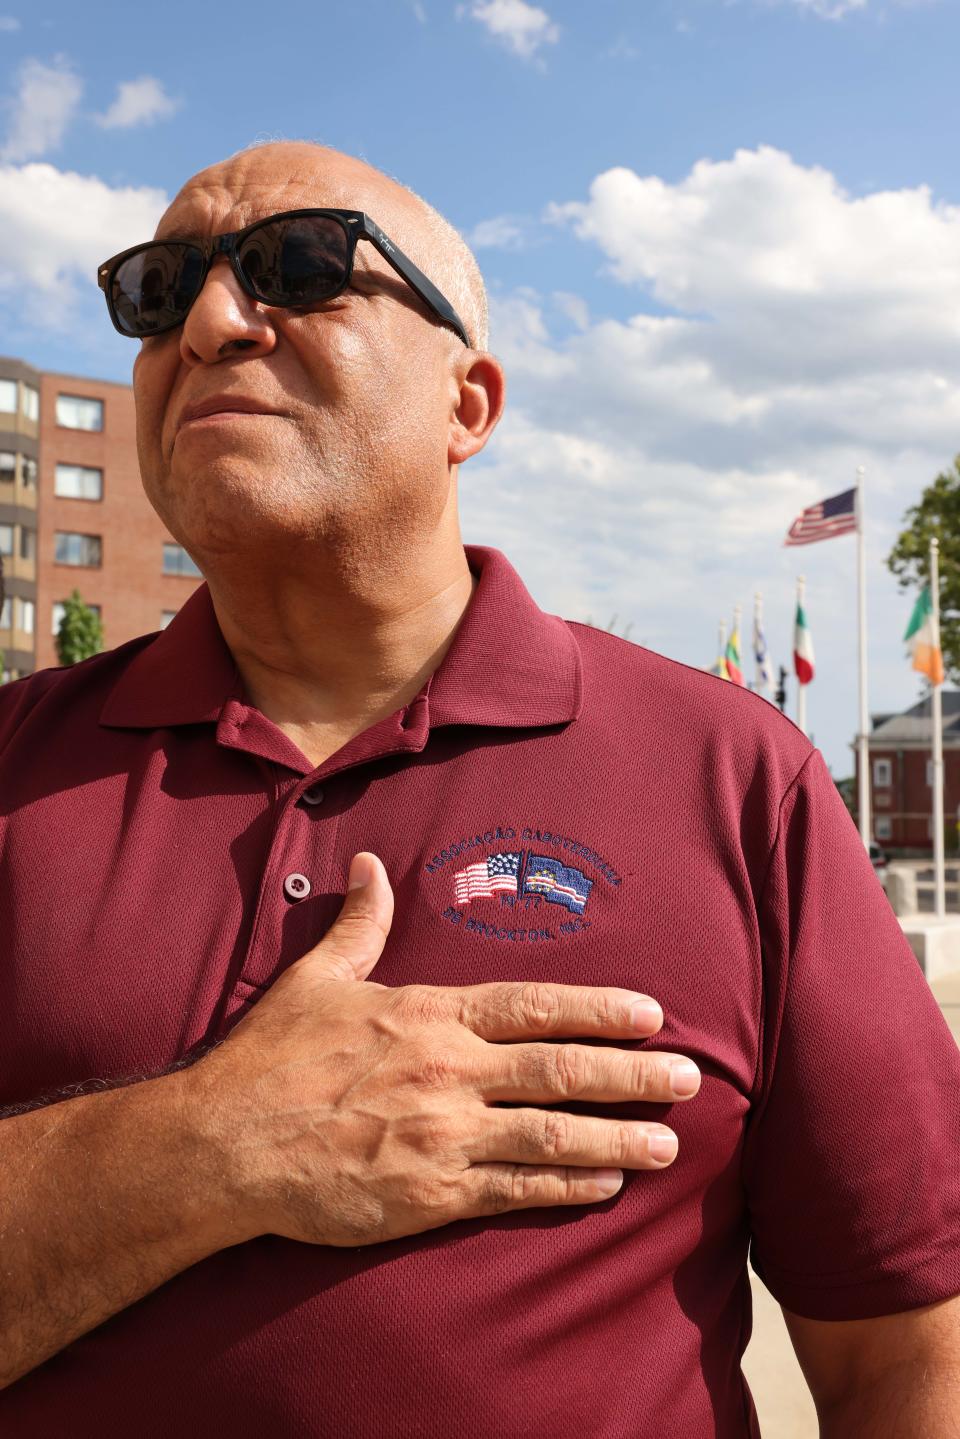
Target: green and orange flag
[(923, 638)]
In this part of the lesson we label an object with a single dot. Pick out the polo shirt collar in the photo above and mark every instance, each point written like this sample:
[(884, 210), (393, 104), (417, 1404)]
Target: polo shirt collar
[(510, 665)]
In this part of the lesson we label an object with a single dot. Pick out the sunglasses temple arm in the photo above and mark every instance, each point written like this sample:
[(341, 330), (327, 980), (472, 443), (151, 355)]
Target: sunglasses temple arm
[(415, 278)]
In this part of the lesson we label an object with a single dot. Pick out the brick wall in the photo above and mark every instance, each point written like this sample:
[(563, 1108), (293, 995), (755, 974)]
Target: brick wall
[(907, 801), (129, 586)]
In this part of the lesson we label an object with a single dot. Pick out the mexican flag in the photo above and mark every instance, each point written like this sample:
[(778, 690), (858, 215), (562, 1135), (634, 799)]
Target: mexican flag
[(923, 637), (733, 659), (802, 649)]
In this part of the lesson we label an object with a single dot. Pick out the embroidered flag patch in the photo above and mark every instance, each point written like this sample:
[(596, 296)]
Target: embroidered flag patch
[(497, 874), (558, 883)]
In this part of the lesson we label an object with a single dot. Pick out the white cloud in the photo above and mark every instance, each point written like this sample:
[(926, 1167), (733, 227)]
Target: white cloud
[(46, 101), (138, 102), (664, 455), (58, 226), (419, 12), (574, 307), (829, 9), (522, 28), (771, 249), (9, 24), (837, 9), (501, 232)]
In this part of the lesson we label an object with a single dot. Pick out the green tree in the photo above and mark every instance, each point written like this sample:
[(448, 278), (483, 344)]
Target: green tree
[(80, 634), (937, 514)]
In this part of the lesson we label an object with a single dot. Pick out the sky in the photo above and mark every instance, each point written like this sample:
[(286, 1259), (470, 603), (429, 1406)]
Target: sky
[(721, 240)]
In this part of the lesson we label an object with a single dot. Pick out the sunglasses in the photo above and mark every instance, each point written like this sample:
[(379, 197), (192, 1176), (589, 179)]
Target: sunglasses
[(292, 260)]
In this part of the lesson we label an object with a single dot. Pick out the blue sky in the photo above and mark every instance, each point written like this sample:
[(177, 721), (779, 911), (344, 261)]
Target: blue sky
[(720, 236)]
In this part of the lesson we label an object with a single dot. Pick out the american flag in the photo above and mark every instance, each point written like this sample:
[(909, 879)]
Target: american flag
[(497, 874), (836, 516)]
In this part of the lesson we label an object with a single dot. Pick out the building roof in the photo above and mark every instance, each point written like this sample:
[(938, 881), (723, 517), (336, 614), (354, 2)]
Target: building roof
[(915, 724)]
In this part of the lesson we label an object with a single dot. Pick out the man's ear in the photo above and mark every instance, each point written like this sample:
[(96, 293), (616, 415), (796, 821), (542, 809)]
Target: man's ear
[(477, 406)]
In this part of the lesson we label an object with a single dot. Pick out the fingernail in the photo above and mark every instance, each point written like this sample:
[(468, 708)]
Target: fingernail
[(608, 1181), (684, 1078), (663, 1147), (646, 1014), (361, 872)]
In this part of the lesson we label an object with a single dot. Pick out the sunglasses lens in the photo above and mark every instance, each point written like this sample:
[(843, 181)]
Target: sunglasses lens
[(299, 261), (154, 289)]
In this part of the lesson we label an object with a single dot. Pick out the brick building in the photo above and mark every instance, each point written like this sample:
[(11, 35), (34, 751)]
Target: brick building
[(73, 515), (901, 776)]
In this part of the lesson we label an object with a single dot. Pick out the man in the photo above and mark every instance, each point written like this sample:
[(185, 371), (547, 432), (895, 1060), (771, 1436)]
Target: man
[(302, 1204)]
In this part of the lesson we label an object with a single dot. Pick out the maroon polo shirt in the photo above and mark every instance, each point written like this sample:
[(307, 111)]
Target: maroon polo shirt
[(556, 804)]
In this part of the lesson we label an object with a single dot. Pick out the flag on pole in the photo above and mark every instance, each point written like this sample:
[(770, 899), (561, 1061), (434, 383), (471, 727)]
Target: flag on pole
[(719, 667), (802, 648), (924, 639), (835, 516), (762, 655), (733, 657)]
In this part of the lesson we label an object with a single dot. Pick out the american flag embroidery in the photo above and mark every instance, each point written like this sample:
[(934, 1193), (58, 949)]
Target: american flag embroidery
[(497, 874)]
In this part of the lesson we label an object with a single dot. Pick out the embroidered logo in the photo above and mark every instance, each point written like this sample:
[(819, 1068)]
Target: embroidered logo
[(523, 883)]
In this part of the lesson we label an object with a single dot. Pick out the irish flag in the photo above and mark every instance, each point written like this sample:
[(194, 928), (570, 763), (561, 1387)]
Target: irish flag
[(802, 648), (923, 637), (733, 658)]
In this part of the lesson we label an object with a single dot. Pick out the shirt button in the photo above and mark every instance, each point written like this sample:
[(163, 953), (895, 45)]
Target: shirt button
[(296, 886), (314, 795)]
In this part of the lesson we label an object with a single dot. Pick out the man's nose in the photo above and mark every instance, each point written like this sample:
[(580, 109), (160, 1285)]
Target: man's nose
[(224, 320)]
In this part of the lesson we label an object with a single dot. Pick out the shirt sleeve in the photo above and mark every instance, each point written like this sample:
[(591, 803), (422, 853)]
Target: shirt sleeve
[(852, 1155)]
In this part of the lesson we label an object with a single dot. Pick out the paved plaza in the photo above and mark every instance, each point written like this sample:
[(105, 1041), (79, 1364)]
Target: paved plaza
[(783, 1401)]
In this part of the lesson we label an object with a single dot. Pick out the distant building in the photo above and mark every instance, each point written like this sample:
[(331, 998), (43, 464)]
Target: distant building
[(901, 775), (73, 515)]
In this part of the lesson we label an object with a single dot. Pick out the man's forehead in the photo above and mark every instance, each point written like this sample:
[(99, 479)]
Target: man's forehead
[(262, 182)]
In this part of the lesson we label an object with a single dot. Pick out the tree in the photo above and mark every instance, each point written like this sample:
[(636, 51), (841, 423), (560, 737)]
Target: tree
[(80, 634), (937, 514)]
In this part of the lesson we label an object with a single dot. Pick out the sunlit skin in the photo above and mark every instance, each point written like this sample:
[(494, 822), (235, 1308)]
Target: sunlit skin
[(327, 529)]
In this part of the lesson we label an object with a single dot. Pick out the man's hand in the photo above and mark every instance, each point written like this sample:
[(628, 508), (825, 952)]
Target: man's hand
[(352, 1113)]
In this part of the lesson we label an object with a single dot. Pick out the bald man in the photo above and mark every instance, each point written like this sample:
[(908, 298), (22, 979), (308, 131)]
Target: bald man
[(447, 1199)]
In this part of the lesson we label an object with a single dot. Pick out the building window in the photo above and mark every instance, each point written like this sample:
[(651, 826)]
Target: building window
[(8, 464), (176, 561), (71, 549), (883, 827), (28, 471), (6, 539), (76, 412), (882, 774), (166, 616), (26, 613), (28, 543), (8, 397), (59, 609), (78, 482), (6, 614), (31, 403)]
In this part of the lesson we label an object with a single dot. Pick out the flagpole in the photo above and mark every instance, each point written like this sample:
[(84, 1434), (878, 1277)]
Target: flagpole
[(801, 688), (863, 748), (722, 647), (759, 679), (939, 873)]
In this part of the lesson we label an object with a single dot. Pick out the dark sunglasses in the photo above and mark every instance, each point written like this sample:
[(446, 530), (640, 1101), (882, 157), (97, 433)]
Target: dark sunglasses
[(292, 260)]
